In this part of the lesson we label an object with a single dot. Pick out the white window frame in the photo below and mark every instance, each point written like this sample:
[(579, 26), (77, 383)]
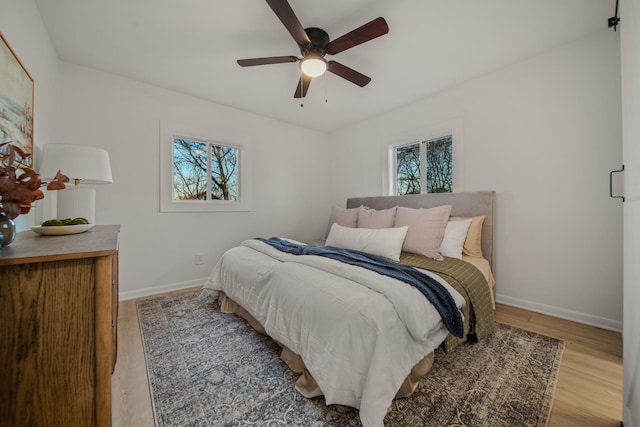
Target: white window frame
[(168, 204), (438, 131)]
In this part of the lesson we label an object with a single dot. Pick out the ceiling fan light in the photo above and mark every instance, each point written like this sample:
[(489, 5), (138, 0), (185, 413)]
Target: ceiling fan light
[(313, 67)]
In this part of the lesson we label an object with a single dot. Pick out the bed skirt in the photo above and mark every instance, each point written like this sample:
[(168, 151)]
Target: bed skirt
[(305, 384)]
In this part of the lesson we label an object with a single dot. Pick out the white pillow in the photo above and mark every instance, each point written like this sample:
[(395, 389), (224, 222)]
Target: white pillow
[(385, 242), (454, 236)]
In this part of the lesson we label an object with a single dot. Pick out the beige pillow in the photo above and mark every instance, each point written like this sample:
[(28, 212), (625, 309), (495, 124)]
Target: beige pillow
[(344, 217), (473, 243), (426, 229), (371, 218)]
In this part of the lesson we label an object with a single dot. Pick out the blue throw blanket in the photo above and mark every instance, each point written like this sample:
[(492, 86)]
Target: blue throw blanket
[(437, 294)]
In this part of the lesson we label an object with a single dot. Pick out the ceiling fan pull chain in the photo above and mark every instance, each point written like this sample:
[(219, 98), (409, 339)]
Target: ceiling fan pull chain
[(326, 89), (301, 91)]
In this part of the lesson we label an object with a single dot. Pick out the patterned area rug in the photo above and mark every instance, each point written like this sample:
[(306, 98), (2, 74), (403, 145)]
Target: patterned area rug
[(207, 368)]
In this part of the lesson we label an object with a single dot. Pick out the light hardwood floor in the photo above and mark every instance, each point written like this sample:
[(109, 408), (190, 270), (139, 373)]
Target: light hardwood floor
[(588, 394)]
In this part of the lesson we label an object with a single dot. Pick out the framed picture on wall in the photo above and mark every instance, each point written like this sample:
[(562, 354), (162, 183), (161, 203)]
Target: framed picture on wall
[(16, 102)]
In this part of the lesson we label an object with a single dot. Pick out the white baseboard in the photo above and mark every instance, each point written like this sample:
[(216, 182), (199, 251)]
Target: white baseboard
[(160, 289), (628, 418), (562, 313)]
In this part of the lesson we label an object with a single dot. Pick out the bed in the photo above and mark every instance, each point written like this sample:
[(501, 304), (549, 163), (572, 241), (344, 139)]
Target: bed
[(358, 337)]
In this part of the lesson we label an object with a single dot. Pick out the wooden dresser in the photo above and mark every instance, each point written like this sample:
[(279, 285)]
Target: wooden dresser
[(58, 311)]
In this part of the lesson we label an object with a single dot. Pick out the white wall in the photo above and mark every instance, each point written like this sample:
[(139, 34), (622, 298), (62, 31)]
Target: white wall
[(543, 133), (289, 176), (23, 29)]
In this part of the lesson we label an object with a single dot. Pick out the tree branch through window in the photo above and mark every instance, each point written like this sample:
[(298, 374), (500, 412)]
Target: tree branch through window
[(198, 166)]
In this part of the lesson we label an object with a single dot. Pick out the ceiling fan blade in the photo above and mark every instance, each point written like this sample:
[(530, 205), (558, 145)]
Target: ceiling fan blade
[(348, 73), (369, 31), (283, 10), (266, 61), (303, 86)]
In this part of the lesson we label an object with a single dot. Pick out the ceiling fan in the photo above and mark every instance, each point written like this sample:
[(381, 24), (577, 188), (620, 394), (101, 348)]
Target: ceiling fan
[(314, 44)]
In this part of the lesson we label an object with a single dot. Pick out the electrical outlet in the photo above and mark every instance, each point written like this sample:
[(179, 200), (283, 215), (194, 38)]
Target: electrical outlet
[(199, 259)]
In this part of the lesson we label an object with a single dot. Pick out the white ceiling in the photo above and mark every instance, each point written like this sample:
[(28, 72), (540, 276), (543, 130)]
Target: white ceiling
[(191, 46)]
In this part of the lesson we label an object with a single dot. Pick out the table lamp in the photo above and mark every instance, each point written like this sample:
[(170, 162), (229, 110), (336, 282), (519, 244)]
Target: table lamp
[(83, 165)]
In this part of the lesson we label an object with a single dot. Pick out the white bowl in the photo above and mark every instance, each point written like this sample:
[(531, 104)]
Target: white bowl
[(59, 230)]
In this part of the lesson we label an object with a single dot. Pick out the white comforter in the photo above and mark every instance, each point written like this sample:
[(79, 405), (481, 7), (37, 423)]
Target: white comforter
[(359, 333)]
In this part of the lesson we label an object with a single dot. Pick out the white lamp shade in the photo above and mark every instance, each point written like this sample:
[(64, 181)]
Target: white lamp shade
[(313, 67), (89, 164)]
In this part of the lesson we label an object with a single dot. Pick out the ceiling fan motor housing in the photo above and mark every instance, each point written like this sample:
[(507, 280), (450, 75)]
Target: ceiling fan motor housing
[(319, 41)]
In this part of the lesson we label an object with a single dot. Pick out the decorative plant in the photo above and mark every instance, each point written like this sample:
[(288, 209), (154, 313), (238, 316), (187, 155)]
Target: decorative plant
[(20, 184)]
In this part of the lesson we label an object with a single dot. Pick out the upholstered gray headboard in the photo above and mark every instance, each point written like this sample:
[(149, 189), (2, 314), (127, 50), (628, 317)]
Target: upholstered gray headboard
[(465, 204)]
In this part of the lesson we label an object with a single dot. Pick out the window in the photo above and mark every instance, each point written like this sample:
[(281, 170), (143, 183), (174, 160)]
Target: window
[(204, 170), (424, 167), (202, 174)]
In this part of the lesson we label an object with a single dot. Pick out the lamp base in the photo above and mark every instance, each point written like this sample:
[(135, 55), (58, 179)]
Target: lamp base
[(77, 202)]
